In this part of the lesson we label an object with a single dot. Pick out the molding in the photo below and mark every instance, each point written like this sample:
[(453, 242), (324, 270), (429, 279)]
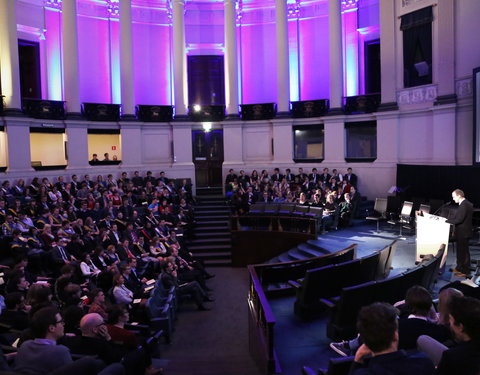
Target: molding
[(446, 99), (464, 87), (417, 95), (387, 107)]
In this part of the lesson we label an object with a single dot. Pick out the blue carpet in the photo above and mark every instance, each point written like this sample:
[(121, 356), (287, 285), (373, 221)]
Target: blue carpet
[(300, 342)]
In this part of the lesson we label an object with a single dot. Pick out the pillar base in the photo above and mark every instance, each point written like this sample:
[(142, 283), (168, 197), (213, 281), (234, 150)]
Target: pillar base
[(446, 99), (385, 107), (13, 112), (335, 112), (233, 116), (74, 116), (182, 118), (283, 115), (128, 117)]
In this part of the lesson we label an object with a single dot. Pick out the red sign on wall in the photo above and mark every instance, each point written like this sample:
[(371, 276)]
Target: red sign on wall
[(114, 148)]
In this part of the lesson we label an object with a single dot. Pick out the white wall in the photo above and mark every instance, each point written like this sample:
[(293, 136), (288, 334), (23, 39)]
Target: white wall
[(48, 148), (3, 149), (101, 143)]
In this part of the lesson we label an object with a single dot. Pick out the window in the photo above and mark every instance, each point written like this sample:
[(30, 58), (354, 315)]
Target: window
[(417, 47), (3, 149), (308, 143), (361, 138), (48, 148), (106, 144)]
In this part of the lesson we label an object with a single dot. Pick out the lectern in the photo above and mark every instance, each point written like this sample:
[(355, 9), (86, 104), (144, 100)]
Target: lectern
[(432, 232)]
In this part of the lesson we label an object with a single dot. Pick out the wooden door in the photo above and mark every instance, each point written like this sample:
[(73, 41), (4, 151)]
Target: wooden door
[(208, 157)]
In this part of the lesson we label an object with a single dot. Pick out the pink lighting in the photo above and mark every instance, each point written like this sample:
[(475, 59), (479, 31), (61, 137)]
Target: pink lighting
[(53, 54), (350, 52)]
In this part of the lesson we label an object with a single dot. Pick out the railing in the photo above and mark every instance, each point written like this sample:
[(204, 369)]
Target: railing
[(261, 324)]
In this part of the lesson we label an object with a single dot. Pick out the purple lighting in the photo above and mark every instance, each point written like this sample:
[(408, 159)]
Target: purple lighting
[(53, 54)]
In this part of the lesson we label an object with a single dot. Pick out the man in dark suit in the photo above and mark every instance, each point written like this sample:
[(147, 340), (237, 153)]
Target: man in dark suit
[(351, 177), (378, 327), (463, 231), (277, 176), (314, 177)]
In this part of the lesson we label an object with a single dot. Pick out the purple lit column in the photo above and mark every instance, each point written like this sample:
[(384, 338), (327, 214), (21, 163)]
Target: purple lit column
[(335, 53), (179, 58), (10, 74), (283, 77), (444, 52), (126, 60), (388, 54), (231, 59), (70, 56)]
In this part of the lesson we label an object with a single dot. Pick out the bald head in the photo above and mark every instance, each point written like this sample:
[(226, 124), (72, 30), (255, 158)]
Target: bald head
[(90, 323)]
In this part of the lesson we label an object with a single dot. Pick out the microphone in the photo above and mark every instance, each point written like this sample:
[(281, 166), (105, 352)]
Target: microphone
[(442, 207)]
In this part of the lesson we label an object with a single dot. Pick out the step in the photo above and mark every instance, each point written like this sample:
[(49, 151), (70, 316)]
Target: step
[(211, 207), (311, 250), (206, 223), (212, 217), (201, 241), (214, 255), (211, 198), (218, 262), (202, 248), (218, 211), (285, 257), (212, 228), (212, 234), (294, 253)]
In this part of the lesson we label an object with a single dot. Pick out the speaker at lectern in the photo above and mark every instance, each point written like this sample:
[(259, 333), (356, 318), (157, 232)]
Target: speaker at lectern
[(432, 232)]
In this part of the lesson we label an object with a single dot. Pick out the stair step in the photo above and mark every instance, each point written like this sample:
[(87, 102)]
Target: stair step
[(199, 241), (211, 198), (311, 251), (214, 255), (200, 248), (294, 253), (212, 228), (210, 217), (213, 234), (212, 207), (212, 212), (218, 262), (207, 223)]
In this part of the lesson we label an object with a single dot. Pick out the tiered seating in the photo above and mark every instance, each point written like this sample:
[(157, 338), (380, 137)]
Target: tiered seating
[(328, 281), (344, 309)]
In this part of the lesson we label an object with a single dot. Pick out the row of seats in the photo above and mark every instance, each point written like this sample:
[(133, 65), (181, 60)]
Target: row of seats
[(345, 307), (286, 209), (328, 281)]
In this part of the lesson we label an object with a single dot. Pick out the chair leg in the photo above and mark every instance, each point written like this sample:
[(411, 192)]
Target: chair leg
[(378, 226)]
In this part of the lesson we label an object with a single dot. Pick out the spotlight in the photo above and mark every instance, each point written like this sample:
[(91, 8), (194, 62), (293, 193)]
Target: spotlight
[(197, 108), (207, 126)]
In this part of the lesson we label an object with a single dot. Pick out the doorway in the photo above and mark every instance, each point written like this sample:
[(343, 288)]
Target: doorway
[(208, 157)]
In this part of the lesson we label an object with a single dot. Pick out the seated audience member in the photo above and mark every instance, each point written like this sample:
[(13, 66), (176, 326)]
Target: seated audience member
[(463, 358), (95, 159), (118, 316), (192, 288), (419, 302), (345, 209), (15, 315), (378, 326), (98, 305)]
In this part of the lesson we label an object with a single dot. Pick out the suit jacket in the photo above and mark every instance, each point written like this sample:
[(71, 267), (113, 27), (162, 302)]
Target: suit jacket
[(462, 359), (57, 255), (396, 363), (352, 179), (409, 330), (463, 220)]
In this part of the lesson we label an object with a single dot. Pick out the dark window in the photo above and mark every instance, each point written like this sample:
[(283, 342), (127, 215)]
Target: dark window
[(308, 143), (417, 47), (361, 141), (29, 60), (206, 81), (372, 67)]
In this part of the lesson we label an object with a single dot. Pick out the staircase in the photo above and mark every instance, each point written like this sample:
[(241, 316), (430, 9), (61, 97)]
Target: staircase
[(211, 238)]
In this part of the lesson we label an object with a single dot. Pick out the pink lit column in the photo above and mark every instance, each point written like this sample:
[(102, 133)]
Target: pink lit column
[(444, 52), (283, 76), (126, 60), (179, 58), (70, 56), (10, 73), (231, 59), (335, 54), (388, 54)]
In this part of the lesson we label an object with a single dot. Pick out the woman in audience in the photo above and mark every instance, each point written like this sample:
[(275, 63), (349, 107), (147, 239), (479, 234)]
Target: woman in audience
[(120, 292)]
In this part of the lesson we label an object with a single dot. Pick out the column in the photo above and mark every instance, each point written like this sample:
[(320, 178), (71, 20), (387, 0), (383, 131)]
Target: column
[(335, 55), (232, 143), (77, 145), (18, 146), (283, 142), (388, 55), (131, 142), (182, 145), (444, 135), (444, 52), (283, 73), (334, 141), (179, 59), (9, 66), (387, 137), (126, 61), (231, 59), (71, 89)]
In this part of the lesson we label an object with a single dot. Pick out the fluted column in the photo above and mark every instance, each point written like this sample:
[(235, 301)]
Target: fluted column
[(179, 58), (335, 53), (283, 73), (231, 61), (71, 86), (388, 55), (126, 60), (10, 73)]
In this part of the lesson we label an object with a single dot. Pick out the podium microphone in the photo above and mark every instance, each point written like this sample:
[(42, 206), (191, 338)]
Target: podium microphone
[(442, 207)]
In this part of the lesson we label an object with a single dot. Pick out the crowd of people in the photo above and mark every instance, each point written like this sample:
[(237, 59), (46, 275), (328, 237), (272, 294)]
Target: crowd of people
[(413, 337), (80, 258), (336, 193)]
